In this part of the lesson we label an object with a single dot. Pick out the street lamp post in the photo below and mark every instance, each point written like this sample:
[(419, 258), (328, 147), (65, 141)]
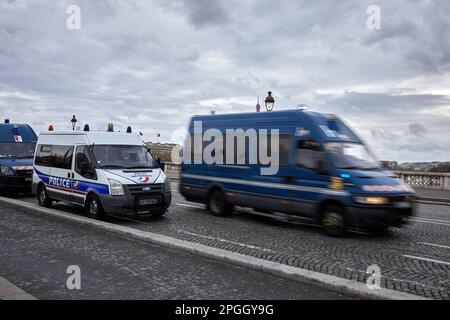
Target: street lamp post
[(269, 102), (74, 122)]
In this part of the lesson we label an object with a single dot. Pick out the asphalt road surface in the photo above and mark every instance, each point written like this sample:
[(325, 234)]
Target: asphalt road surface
[(414, 259), (35, 253)]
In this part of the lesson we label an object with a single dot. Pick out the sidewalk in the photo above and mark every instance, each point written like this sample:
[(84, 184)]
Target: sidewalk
[(433, 195)]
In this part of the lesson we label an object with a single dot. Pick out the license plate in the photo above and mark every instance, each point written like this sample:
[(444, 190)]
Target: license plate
[(403, 204), (28, 179), (146, 202)]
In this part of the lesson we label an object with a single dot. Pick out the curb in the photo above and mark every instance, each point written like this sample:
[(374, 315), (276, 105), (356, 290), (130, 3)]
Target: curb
[(436, 201), (9, 291), (324, 281)]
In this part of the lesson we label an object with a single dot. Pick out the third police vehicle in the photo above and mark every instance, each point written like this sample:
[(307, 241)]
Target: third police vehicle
[(106, 172), (17, 145)]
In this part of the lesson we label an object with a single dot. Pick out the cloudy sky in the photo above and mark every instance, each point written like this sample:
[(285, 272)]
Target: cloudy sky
[(153, 64)]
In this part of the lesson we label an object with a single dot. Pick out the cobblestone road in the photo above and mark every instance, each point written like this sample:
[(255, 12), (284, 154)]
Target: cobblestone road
[(414, 259), (35, 253)]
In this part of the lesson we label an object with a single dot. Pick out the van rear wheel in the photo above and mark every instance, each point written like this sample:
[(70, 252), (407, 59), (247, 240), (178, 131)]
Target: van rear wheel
[(42, 197), (333, 221), (217, 203), (93, 207)]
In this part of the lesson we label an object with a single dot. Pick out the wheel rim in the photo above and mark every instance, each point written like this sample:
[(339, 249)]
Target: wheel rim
[(42, 196), (333, 221), (216, 202), (93, 207)]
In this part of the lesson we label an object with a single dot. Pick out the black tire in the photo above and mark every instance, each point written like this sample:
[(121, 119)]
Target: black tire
[(333, 221), (218, 204), (93, 207), (42, 197)]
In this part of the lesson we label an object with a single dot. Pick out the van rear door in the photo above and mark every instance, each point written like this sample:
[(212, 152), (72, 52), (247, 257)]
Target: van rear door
[(59, 184)]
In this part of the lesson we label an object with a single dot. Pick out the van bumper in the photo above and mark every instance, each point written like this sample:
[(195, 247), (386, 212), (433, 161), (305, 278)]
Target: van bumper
[(126, 205), (14, 184), (369, 217)]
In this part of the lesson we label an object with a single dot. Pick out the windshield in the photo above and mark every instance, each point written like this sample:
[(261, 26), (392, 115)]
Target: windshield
[(123, 157), (17, 150), (351, 156)]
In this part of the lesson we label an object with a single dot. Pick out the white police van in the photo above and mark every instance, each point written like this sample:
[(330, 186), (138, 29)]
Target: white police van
[(106, 172)]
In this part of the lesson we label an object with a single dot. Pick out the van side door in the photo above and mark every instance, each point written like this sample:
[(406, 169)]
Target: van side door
[(84, 174), (59, 184), (309, 177)]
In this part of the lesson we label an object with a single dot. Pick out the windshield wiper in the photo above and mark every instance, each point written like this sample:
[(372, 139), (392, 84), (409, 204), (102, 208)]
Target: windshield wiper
[(112, 166), (141, 167)]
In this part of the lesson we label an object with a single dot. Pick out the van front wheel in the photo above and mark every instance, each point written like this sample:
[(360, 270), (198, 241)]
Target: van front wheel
[(217, 203), (333, 221), (93, 207), (42, 197)]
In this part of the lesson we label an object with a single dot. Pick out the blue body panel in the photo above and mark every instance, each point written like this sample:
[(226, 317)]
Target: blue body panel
[(293, 189), (78, 186), (9, 130)]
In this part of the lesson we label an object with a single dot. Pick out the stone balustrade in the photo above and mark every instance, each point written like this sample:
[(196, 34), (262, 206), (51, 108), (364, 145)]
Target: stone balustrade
[(426, 180)]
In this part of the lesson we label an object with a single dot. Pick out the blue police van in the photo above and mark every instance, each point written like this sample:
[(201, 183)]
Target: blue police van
[(324, 171), (17, 146)]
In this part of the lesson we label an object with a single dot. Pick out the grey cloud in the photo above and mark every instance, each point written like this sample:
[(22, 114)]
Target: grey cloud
[(417, 130), (205, 12)]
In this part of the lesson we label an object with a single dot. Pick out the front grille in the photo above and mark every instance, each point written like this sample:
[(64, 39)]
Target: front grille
[(397, 199), (25, 173), (141, 189)]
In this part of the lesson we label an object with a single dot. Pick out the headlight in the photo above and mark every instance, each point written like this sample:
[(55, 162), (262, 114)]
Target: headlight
[(371, 200), (116, 188), (6, 171), (167, 185)]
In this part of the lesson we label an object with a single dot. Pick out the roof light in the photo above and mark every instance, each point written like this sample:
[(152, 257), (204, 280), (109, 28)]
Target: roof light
[(110, 127), (50, 128), (6, 120), (86, 127), (129, 129)]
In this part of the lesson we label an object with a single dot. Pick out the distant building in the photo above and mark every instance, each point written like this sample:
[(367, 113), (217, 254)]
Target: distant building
[(162, 151), (389, 165)]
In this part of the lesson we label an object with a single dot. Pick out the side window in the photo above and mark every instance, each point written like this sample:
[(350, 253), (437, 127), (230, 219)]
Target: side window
[(83, 163), (62, 157), (43, 155), (307, 154), (54, 156)]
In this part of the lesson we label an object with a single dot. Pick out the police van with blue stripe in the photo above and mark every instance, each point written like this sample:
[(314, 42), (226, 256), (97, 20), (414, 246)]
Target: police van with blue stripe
[(325, 172), (17, 145), (106, 172)]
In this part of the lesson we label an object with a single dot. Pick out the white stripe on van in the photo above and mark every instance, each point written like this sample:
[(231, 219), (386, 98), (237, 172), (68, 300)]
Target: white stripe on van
[(267, 184)]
